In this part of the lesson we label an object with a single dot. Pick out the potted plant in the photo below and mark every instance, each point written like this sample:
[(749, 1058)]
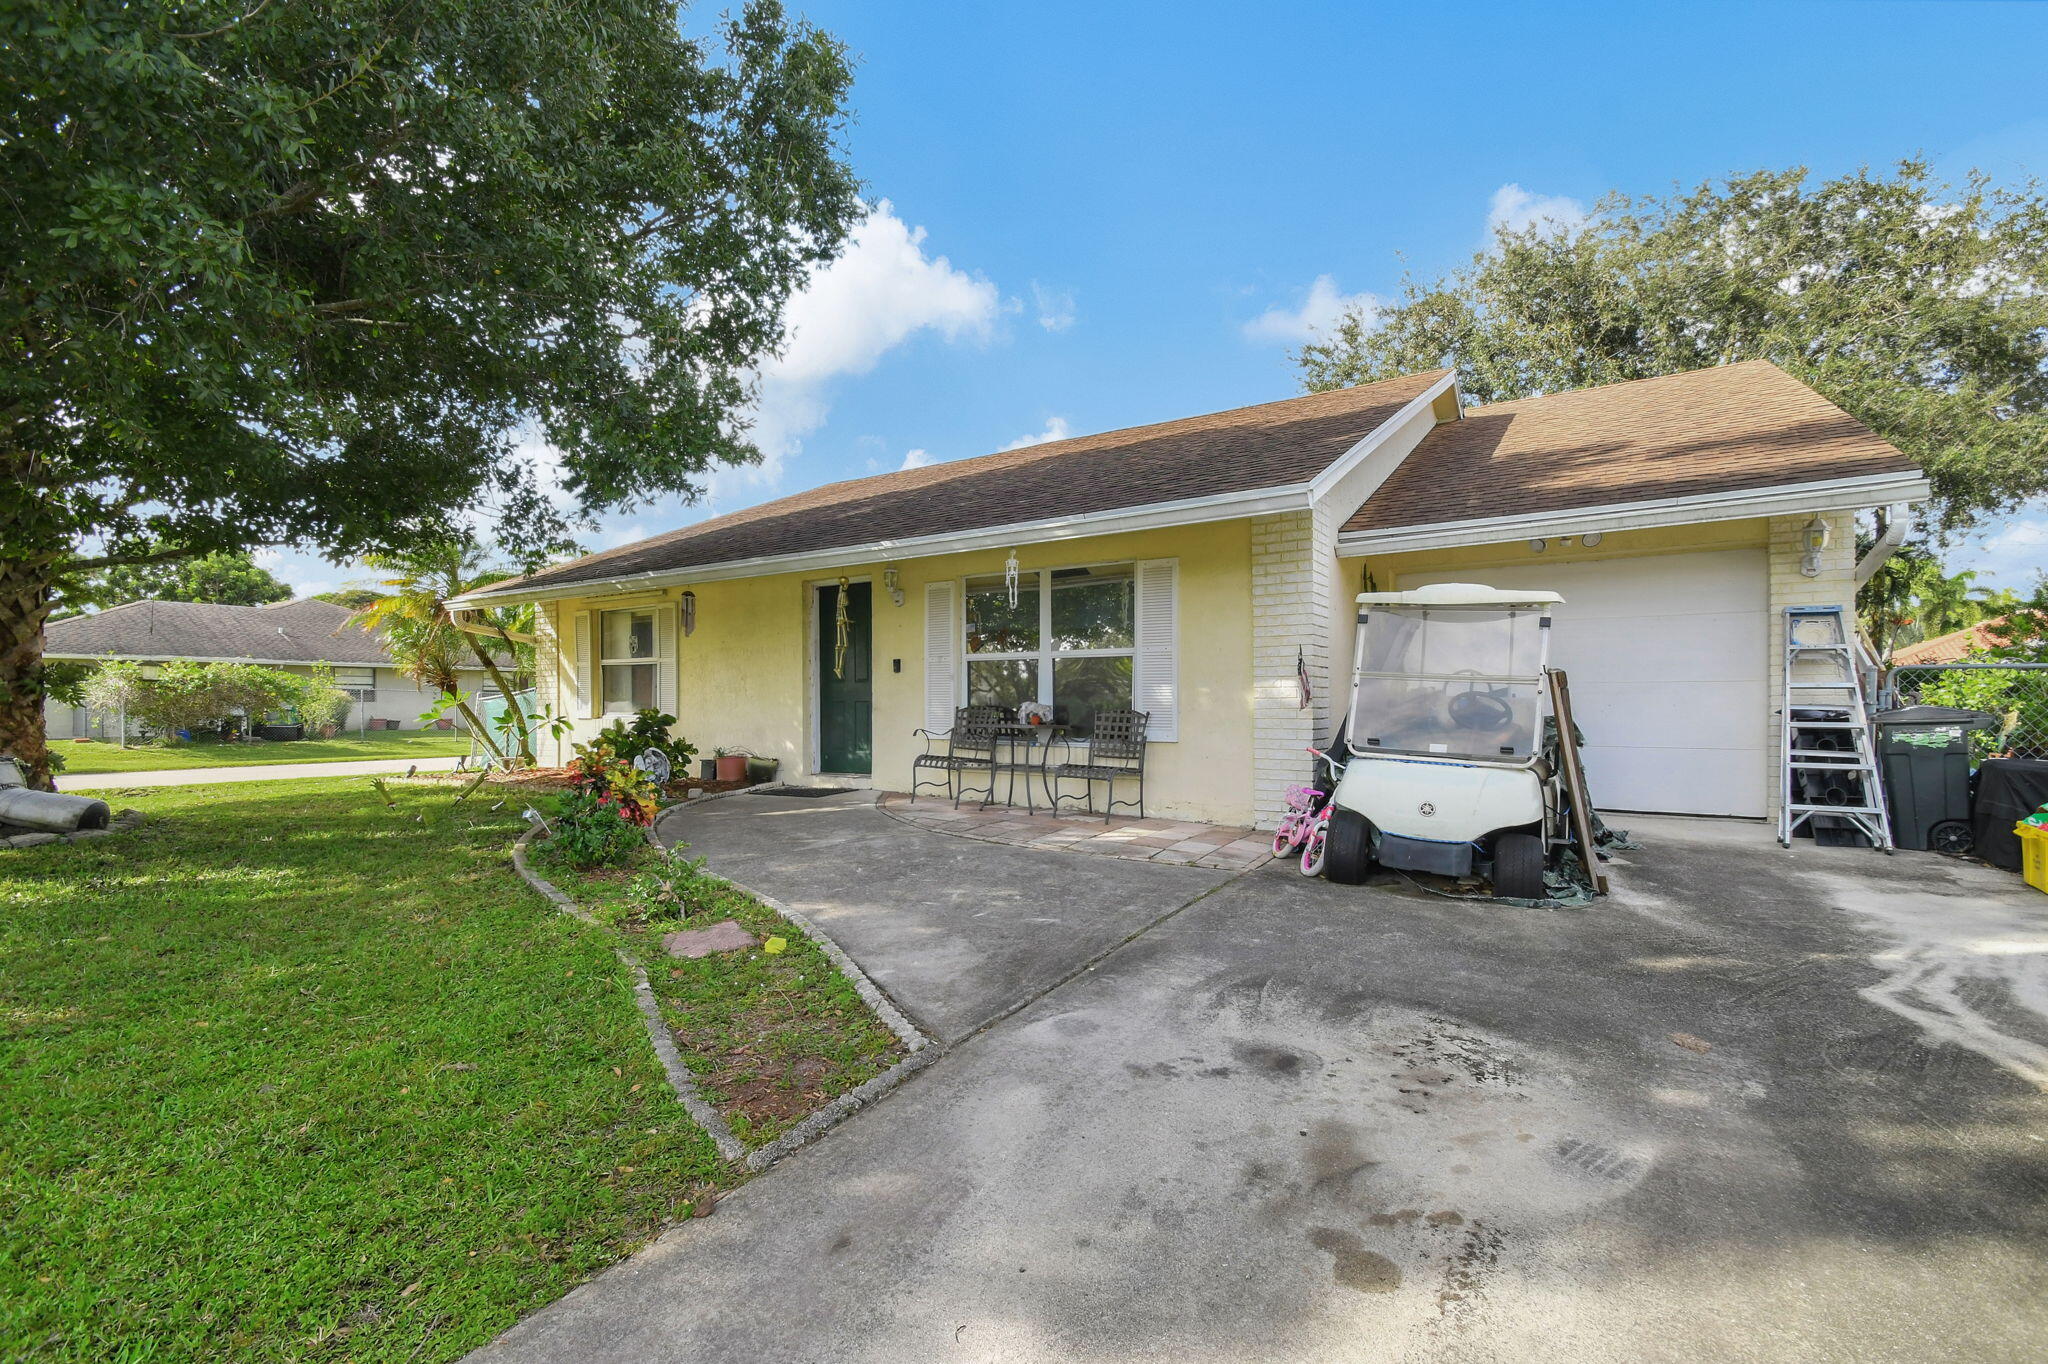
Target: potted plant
[(732, 763)]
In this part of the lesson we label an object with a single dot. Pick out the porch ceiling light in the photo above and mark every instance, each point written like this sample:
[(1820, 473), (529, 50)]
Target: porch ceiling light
[(1591, 538), (1538, 546), (1815, 538)]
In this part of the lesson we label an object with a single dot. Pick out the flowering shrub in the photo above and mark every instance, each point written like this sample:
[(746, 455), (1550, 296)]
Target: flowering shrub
[(599, 772)]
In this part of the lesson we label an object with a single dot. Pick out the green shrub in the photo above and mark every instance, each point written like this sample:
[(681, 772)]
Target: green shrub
[(591, 833)]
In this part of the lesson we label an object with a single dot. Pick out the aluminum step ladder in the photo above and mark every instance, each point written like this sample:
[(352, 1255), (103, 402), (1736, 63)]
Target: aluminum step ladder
[(1821, 679)]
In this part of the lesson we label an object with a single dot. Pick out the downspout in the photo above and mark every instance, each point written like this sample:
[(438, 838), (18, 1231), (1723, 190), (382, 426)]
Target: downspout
[(1891, 533)]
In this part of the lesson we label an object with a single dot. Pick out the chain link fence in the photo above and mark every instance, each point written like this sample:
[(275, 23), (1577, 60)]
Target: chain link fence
[(2015, 694)]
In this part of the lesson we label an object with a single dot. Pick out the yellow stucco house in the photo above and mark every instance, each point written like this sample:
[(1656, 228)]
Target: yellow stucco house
[(1193, 569)]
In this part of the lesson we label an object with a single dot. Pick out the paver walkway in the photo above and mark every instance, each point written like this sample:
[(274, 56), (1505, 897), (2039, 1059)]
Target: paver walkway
[(1177, 842), (208, 776)]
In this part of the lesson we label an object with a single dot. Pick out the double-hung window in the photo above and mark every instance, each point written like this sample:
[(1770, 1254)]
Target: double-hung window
[(359, 683), (1069, 642), (626, 660)]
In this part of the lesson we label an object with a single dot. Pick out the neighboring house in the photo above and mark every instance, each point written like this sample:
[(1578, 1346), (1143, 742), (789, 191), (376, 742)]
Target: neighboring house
[(1952, 647), (291, 636), (1189, 566)]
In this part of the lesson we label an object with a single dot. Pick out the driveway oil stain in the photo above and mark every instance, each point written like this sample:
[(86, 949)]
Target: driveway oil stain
[(1353, 1265)]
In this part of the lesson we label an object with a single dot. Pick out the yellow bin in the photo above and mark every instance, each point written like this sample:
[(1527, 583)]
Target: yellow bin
[(2033, 854)]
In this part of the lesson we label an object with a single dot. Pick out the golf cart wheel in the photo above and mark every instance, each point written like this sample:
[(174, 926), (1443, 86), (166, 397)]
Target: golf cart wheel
[(1951, 836), (1347, 849), (1518, 867)]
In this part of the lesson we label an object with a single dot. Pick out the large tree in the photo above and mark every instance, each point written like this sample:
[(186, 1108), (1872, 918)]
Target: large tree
[(1919, 307), (331, 273), (225, 577)]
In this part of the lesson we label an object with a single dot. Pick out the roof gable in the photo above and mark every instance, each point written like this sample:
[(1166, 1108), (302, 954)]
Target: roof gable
[(1726, 429), (1271, 445)]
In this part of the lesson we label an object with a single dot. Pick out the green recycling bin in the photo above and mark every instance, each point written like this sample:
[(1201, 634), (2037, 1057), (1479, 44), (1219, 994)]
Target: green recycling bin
[(1925, 754)]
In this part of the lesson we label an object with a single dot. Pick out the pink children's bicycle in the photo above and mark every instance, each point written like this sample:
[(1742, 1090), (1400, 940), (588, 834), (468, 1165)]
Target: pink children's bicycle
[(1306, 825)]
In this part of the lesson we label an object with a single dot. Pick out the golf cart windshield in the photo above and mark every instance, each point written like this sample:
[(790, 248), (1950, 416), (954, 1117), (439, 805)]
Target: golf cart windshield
[(1449, 681)]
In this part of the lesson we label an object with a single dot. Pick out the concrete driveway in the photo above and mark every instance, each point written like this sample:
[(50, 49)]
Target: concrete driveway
[(1294, 1121)]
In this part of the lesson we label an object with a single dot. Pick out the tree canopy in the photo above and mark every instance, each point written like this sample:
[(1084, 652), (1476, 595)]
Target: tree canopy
[(226, 577), (330, 273), (1919, 307)]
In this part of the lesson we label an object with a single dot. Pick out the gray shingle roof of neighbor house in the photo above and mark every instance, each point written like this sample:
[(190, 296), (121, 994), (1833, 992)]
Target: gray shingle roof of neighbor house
[(1245, 449), (308, 631), (1722, 430)]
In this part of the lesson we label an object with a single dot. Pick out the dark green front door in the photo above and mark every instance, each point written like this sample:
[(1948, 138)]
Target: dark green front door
[(846, 681)]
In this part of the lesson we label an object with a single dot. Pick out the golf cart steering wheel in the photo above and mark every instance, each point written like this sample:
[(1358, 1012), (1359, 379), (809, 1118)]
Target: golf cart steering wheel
[(1480, 709)]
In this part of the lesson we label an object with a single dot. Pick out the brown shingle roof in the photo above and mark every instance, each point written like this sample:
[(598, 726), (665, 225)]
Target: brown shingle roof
[(309, 631), (1734, 427), (1268, 446)]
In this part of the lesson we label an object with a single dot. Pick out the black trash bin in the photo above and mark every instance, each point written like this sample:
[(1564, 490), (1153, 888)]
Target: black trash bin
[(1925, 754)]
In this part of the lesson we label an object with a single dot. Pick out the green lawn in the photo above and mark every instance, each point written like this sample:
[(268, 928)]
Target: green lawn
[(770, 1037), (291, 1074), (87, 758)]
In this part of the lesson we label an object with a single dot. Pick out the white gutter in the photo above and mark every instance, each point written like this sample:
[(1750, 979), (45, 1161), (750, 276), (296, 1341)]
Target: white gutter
[(1892, 534), (1785, 499), (1152, 516), (202, 658)]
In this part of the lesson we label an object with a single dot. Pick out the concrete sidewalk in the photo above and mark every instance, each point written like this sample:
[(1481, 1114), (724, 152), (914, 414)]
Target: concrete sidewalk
[(207, 776)]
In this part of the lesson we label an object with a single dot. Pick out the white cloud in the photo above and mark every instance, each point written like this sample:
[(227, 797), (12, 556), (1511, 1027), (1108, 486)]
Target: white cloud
[(1055, 429), (877, 294), (1055, 307), (1518, 210), (917, 459), (2013, 555), (1317, 316)]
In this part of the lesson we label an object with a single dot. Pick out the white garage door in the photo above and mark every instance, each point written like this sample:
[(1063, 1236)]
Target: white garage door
[(1667, 661)]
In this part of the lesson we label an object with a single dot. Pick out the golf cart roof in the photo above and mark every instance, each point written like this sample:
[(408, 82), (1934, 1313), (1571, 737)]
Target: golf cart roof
[(1461, 594)]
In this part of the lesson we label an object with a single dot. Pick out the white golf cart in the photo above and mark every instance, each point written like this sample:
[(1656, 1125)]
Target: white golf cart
[(1445, 770)]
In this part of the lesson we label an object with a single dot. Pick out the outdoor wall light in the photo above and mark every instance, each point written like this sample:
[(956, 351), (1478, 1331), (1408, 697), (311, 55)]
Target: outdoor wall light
[(889, 583), (1591, 538), (689, 613), (1815, 538)]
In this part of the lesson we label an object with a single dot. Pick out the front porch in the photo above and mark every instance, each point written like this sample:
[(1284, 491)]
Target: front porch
[(1175, 842)]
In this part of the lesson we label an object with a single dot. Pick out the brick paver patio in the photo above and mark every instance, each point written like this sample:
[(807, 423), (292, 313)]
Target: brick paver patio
[(1178, 841)]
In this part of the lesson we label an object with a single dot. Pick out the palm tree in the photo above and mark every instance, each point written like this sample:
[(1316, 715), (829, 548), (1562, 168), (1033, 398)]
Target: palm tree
[(428, 641)]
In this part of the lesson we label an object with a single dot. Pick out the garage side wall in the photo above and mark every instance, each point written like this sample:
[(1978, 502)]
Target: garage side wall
[(1834, 585)]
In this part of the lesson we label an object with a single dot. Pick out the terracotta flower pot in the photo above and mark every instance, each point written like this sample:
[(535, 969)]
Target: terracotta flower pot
[(732, 767)]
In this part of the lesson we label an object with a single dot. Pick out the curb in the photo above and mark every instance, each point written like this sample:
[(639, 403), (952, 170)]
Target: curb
[(923, 1049), (679, 1078)]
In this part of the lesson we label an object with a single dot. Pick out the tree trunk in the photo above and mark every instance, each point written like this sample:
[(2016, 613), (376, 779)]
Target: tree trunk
[(504, 686), (24, 606), (478, 728)]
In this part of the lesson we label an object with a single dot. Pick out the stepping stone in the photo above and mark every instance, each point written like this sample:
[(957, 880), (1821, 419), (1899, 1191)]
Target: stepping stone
[(726, 936)]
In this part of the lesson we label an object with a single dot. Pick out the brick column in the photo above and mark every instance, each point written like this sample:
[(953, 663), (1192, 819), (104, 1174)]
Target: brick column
[(1290, 583)]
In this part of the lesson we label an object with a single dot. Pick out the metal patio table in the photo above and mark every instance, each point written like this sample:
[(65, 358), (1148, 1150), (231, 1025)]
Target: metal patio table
[(1012, 733)]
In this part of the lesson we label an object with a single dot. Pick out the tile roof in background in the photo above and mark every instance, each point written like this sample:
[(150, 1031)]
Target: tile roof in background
[(308, 631), (1950, 648), (1242, 450), (1727, 429)]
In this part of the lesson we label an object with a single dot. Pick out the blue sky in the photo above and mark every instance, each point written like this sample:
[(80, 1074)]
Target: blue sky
[(1090, 216)]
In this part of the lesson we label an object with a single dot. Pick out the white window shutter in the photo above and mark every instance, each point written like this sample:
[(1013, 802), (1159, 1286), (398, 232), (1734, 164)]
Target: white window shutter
[(940, 689), (587, 700), (1155, 671), (665, 659)]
